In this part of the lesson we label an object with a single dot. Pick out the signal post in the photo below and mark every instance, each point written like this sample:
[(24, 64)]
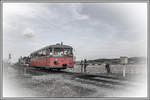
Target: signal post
[(124, 62)]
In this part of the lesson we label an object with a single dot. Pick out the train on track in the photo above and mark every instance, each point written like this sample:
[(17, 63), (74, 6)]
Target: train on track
[(56, 56)]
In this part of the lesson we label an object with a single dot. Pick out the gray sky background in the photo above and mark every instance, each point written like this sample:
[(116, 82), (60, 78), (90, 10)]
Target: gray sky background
[(102, 30)]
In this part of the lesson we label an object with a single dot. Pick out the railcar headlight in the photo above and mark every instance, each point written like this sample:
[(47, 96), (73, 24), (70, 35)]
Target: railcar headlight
[(56, 59), (70, 63)]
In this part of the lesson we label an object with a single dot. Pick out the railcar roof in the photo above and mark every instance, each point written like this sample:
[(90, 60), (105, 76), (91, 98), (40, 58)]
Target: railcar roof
[(53, 46)]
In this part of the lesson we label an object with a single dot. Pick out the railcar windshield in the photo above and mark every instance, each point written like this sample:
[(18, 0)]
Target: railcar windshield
[(63, 52)]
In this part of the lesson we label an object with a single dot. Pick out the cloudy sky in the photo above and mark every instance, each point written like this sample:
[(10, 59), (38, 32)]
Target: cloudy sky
[(102, 30)]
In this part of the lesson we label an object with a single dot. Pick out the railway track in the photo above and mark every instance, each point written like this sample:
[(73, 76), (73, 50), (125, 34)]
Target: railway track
[(66, 83)]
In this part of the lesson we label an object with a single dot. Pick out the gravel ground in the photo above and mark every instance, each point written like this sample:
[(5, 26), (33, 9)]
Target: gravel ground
[(19, 81)]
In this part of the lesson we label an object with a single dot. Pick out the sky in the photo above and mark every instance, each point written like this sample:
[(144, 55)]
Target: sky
[(94, 30)]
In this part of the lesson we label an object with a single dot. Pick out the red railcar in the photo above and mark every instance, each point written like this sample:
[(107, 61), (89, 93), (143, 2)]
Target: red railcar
[(57, 56)]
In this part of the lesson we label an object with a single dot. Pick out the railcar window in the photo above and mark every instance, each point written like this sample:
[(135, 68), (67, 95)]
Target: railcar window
[(67, 51), (34, 55), (39, 53), (50, 51), (58, 51), (47, 52), (44, 52)]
